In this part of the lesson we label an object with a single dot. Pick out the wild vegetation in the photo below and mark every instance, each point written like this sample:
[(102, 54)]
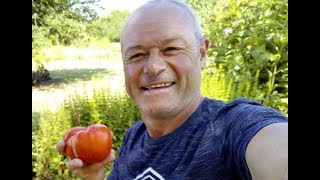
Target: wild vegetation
[(248, 57), (74, 24)]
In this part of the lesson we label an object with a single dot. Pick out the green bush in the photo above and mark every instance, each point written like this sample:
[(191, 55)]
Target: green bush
[(219, 83), (46, 162), (249, 38), (252, 35), (116, 111)]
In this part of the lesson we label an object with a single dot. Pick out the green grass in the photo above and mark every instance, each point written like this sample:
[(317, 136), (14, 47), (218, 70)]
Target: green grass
[(77, 70), (110, 51)]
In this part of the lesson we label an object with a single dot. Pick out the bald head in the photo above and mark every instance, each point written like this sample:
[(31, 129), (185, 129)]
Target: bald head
[(177, 9)]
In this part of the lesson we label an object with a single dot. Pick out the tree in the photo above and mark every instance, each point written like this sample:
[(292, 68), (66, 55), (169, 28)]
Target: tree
[(57, 22), (249, 38), (108, 26), (61, 21)]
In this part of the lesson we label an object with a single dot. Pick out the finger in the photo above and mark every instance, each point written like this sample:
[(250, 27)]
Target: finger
[(74, 164), (110, 158), (60, 147)]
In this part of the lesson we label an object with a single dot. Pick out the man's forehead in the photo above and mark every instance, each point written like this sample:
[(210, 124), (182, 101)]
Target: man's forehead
[(164, 19), (163, 42)]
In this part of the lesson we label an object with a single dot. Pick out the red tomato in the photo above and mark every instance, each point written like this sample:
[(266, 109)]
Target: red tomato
[(91, 144)]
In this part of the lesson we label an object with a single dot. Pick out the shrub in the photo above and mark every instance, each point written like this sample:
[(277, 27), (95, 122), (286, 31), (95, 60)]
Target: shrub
[(252, 35), (221, 84), (39, 73), (116, 111)]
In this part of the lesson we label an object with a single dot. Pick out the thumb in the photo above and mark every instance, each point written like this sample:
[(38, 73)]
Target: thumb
[(60, 146)]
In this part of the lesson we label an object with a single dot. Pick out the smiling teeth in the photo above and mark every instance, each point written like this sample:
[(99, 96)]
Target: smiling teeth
[(159, 85)]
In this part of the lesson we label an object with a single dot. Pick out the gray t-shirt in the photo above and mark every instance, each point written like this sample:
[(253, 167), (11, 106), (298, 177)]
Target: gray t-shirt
[(210, 144)]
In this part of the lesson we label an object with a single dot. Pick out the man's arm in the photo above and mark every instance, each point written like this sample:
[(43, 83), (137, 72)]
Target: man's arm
[(267, 153)]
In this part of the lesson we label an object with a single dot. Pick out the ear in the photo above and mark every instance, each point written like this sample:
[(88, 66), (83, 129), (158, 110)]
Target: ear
[(204, 45)]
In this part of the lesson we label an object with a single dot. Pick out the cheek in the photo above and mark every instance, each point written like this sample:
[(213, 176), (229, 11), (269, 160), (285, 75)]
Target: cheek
[(185, 65), (132, 74), (187, 70)]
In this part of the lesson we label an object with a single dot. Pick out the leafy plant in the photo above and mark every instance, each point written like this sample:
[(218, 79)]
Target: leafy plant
[(116, 111), (219, 83), (250, 39)]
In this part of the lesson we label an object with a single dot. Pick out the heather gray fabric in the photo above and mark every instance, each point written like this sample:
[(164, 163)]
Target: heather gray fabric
[(209, 145)]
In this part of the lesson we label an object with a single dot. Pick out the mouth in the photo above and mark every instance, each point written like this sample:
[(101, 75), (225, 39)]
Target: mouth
[(158, 86)]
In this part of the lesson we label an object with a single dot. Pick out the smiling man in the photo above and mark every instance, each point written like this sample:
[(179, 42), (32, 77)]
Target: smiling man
[(163, 58), (182, 134)]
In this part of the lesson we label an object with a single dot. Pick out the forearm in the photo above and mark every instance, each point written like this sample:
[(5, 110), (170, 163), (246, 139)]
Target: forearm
[(267, 153)]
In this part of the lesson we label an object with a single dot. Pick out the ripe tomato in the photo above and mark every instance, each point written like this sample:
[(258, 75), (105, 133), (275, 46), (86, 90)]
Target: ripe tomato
[(91, 144)]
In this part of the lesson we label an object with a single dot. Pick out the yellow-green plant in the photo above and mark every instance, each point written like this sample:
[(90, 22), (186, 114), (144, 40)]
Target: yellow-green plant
[(220, 84), (115, 110)]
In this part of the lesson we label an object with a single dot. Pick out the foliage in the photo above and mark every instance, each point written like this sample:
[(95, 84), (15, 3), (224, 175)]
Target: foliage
[(249, 36), (108, 26), (56, 22), (62, 26), (219, 83), (204, 10), (116, 111), (76, 9), (97, 49), (39, 39), (46, 162), (252, 35), (39, 73)]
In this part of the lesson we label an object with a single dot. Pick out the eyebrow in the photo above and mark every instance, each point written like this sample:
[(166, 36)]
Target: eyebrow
[(164, 42), (176, 38)]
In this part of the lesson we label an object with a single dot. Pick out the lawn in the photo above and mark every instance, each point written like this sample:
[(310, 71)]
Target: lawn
[(71, 76)]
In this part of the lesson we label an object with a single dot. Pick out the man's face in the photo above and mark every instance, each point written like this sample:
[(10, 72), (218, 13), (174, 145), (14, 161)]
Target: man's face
[(162, 61)]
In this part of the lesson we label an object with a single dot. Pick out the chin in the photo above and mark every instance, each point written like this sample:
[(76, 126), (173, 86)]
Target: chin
[(158, 110)]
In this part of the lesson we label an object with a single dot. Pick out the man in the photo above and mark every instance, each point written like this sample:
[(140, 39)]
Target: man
[(185, 135)]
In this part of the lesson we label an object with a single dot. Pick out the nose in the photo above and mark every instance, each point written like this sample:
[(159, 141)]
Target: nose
[(155, 64)]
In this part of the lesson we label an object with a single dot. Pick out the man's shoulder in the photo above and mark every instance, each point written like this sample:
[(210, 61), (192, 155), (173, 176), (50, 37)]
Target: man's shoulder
[(244, 105), (222, 107), (241, 107), (249, 106), (241, 101)]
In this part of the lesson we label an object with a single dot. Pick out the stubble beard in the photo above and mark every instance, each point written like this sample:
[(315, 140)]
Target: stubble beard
[(156, 112)]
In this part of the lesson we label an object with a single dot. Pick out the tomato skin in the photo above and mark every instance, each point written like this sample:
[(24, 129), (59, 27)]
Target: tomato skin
[(91, 144), (72, 131)]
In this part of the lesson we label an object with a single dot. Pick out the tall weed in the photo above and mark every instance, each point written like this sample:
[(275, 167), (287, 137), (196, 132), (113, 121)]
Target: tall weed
[(115, 110), (224, 85)]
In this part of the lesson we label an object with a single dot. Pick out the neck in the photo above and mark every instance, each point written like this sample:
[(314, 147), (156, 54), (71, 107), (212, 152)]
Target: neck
[(159, 126)]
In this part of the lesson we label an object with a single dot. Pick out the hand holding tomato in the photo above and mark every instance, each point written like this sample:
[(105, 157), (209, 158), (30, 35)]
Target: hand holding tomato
[(91, 144), (86, 147)]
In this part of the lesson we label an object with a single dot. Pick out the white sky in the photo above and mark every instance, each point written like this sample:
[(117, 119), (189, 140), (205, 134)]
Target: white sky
[(111, 5)]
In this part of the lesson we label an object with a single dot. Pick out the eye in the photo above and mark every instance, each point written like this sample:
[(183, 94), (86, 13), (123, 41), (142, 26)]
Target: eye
[(136, 55), (168, 49)]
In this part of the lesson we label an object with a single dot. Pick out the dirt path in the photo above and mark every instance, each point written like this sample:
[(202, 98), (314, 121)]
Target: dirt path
[(79, 76)]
